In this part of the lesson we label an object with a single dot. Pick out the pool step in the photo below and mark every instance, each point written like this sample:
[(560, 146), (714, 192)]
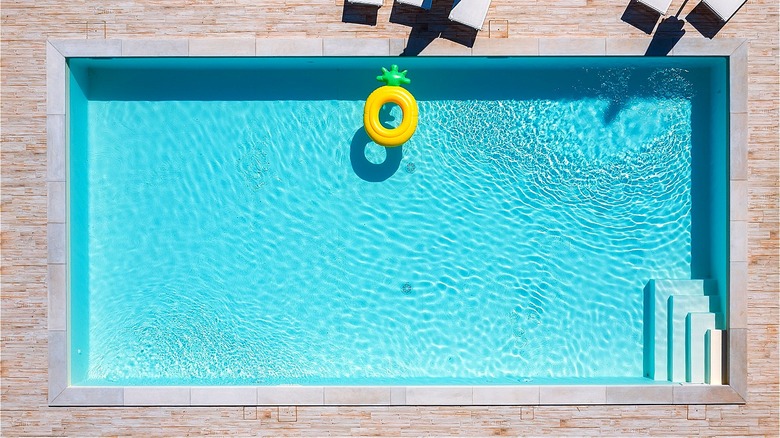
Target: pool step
[(667, 304), (697, 324), (714, 346)]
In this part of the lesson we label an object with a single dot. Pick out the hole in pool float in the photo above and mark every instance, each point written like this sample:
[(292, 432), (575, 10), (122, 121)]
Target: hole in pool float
[(391, 115)]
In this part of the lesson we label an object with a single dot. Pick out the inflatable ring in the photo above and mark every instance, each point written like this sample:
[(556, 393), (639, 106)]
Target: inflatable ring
[(385, 136)]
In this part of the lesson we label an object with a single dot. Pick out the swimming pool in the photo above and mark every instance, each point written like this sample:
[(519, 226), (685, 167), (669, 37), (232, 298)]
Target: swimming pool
[(230, 224)]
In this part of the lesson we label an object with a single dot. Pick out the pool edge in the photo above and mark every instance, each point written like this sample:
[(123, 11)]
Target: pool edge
[(60, 393)]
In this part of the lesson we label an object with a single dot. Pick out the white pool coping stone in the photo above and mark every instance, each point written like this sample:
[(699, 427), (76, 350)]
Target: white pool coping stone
[(62, 394)]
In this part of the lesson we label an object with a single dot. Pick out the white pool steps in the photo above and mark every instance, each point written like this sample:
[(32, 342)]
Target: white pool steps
[(681, 315)]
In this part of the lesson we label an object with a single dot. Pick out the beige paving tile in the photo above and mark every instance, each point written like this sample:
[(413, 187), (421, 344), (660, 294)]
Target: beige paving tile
[(738, 295), (91, 48), (738, 360), (738, 200), (572, 395), (738, 79), (289, 47), (444, 47), (290, 395), (90, 396), (640, 394), (398, 395), (627, 46), (56, 206), (57, 243), (346, 395), (157, 396), (149, 47), (222, 47), (700, 46), (738, 239), (397, 46), (352, 47), (56, 281), (223, 395), (505, 395), (738, 139), (572, 46), (55, 147), (705, 394), (438, 395), (58, 363), (55, 80), (506, 47)]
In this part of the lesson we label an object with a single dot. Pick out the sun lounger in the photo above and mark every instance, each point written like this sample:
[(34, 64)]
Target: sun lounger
[(367, 2), (659, 6), (425, 4), (724, 9), (470, 12)]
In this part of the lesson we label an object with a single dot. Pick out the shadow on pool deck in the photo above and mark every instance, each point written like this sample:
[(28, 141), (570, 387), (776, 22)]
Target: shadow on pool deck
[(427, 25)]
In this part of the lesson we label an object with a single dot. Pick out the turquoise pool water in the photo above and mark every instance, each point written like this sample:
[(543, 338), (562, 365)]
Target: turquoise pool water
[(232, 224)]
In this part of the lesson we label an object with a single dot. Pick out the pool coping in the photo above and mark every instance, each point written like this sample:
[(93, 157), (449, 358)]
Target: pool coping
[(60, 393)]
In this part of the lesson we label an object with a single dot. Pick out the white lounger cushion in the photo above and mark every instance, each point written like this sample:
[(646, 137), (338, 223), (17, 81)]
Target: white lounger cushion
[(659, 5), (470, 12), (367, 2), (425, 4), (724, 9)]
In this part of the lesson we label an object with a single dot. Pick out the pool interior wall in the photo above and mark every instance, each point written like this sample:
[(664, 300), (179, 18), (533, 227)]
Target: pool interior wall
[(330, 79)]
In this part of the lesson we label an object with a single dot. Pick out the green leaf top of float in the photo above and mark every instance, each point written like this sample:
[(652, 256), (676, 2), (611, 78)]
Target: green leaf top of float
[(393, 77)]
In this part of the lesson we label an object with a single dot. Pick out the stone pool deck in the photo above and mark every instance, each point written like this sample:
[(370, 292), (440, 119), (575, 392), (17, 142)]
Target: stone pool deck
[(26, 26)]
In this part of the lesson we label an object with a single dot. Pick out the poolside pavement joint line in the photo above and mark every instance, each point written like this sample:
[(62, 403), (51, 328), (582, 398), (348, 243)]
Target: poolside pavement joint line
[(55, 80), (398, 395), (397, 46), (157, 396), (573, 46), (737, 360), (154, 47), (738, 146), (356, 47), (222, 47), (58, 363), (573, 395), (56, 278), (288, 47), (290, 395), (97, 48), (55, 147), (506, 47), (738, 292)]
